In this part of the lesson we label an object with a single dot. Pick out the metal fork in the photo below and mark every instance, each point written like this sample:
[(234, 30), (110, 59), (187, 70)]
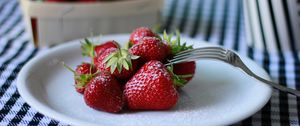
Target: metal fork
[(227, 56)]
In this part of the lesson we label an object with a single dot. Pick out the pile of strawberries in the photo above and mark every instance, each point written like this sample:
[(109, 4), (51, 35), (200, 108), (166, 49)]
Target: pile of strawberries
[(134, 78)]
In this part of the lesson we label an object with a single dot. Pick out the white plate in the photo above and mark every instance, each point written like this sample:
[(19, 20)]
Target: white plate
[(219, 94)]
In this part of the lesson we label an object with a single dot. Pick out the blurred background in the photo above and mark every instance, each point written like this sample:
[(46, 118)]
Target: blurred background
[(25, 25)]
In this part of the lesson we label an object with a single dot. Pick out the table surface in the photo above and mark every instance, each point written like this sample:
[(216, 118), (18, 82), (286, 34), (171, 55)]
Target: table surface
[(210, 20)]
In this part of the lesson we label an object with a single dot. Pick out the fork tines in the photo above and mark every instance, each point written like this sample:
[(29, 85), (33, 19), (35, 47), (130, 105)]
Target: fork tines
[(195, 54)]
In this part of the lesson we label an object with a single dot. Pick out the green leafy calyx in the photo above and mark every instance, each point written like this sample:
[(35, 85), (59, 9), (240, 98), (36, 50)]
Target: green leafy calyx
[(175, 44), (81, 79), (119, 59), (87, 48), (178, 80)]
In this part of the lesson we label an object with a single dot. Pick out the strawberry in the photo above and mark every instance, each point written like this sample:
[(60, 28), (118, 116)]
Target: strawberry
[(82, 75), (85, 68), (184, 71), (102, 47), (186, 68), (140, 33), (89, 49), (150, 48), (151, 88), (103, 92), (118, 61), (108, 56)]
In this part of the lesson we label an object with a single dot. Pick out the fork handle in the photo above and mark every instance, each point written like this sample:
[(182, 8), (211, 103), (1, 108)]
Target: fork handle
[(241, 65), (280, 87)]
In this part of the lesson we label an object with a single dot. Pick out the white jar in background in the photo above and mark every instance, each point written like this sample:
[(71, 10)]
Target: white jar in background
[(54, 22)]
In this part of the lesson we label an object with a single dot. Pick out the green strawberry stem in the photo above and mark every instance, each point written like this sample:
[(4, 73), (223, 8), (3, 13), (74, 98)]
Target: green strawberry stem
[(178, 80), (185, 76), (119, 59), (175, 44), (88, 49), (82, 79), (69, 68)]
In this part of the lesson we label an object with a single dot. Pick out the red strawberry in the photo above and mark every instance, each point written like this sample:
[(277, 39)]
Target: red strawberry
[(90, 50), (118, 61), (140, 33), (102, 47), (187, 68), (108, 56), (150, 48), (183, 71), (82, 75), (151, 88), (83, 69), (104, 93), (98, 60)]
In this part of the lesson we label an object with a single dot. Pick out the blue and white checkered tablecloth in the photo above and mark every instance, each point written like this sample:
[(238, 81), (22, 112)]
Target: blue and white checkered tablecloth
[(215, 21)]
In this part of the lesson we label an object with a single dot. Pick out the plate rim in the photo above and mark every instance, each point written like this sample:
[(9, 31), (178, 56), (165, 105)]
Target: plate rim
[(47, 111)]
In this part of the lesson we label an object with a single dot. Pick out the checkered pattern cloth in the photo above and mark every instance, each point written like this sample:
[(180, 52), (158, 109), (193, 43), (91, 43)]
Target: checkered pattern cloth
[(215, 21)]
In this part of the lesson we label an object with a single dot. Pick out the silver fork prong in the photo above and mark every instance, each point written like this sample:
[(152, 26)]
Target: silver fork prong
[(200, 55), (200, 50), (210, 47), (197, 57), (197, 54), (203, 48), (218, 56)]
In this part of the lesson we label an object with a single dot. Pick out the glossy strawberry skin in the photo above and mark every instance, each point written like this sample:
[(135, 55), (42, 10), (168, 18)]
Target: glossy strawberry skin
[(84, 68), (187, 68), (151, 88), (102, 47), (140, 33), (150, 48), (101, 66), (104, 93), (168, 49)]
